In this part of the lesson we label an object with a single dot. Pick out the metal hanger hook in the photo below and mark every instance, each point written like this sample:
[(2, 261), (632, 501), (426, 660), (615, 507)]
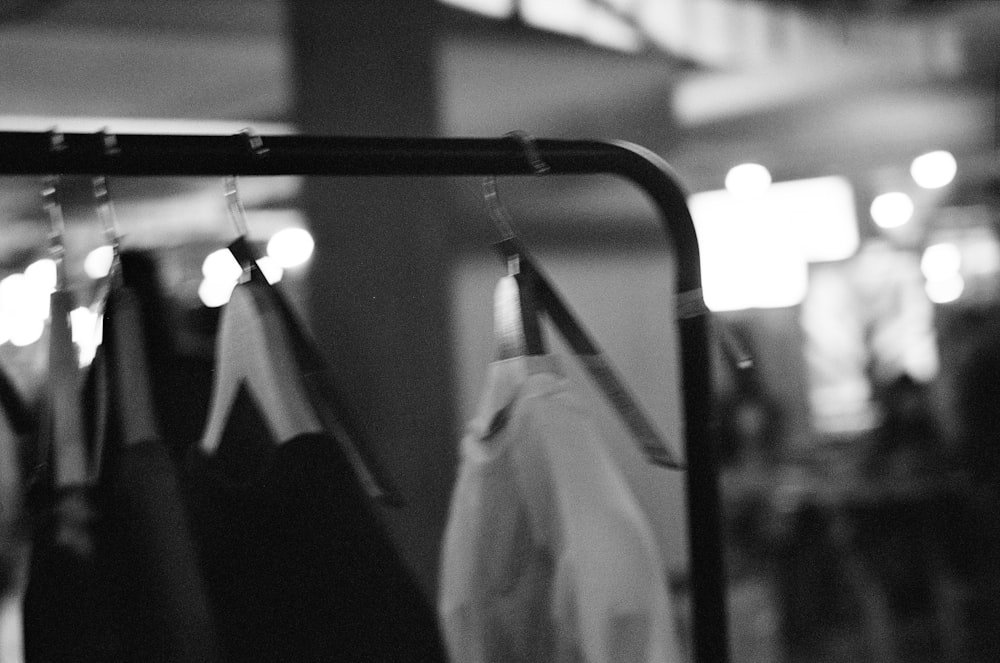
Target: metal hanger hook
[(254, 142), (52, 206), (105, 206), (57, 141), (102, 193), (109, 143), (531, 151), (237, 212), (498, 211)]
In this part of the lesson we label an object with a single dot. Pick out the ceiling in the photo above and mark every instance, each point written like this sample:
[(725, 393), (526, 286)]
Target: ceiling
[(836, 92)]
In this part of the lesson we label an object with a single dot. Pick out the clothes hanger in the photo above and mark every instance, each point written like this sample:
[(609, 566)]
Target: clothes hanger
[(593, 359), (128, 377), (508, 316), (69, 454), (262, 347), (516, 315), (254, 350)]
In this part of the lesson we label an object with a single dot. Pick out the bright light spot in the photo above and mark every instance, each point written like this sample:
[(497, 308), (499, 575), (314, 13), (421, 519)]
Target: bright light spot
[(42, 273), (565, 16), (599, 25), (755, 254), (748, 259), (84, 325), (87, 329), (941, 261), (495, 8), (748, 180), (934, 169), (12, 289), (507, 311), (215, 292), (945, 290), (891, 210), (291, 247), (221, 266), (603, 28), (270, 268), (21, 297), (98, 262), (25, 331)]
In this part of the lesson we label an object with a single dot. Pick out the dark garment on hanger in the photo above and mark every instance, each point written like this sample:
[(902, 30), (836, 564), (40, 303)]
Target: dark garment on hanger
[(17, 411), (148, 558), (14, 425), (298, 564), (66, 616), (65, 613), (180, 375), (115, 574)]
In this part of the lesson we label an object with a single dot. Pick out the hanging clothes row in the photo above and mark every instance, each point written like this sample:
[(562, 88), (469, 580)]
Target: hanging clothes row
[(259, 544), (283, 462)]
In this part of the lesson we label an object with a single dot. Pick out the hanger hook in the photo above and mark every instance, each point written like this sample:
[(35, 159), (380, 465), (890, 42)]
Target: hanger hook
[(57, 141), (498, 211), (254, 142), (53, 206), (237, 212), (109, 142), (531, 151), (105, 205)]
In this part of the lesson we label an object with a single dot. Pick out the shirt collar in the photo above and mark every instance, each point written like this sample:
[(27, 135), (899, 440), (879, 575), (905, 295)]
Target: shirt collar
[(504, 380)]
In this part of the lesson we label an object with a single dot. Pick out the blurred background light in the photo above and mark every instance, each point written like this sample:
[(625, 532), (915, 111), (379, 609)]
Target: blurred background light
[(221, 266), (565, 16), (945, 290), (222, 273), (495, 8), (748, 180), (97, 263), (214, 293), (891, 210), (934, 169), (941, 261), (755, 254), (291, 247), (270, 268), (87, 333), (23, 332), (21, 298), (42, 274)]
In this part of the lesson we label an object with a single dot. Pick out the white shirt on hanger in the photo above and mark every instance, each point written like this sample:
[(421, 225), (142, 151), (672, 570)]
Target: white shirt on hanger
[(546, 555)]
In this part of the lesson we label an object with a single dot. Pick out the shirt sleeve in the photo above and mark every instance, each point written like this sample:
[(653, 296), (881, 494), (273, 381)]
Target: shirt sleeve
[(609, 601), (493, 577)]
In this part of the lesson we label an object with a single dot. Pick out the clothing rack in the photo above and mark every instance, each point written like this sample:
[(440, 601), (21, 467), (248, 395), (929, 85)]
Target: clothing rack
[(49, 153)]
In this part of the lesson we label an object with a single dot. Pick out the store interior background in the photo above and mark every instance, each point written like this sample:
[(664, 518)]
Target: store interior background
[(858, 460)]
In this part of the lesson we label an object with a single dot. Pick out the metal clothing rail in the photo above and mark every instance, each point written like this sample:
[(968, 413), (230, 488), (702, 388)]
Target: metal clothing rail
[(40, 153)]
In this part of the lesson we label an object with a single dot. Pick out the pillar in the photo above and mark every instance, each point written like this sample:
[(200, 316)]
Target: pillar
[(378, 301)]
